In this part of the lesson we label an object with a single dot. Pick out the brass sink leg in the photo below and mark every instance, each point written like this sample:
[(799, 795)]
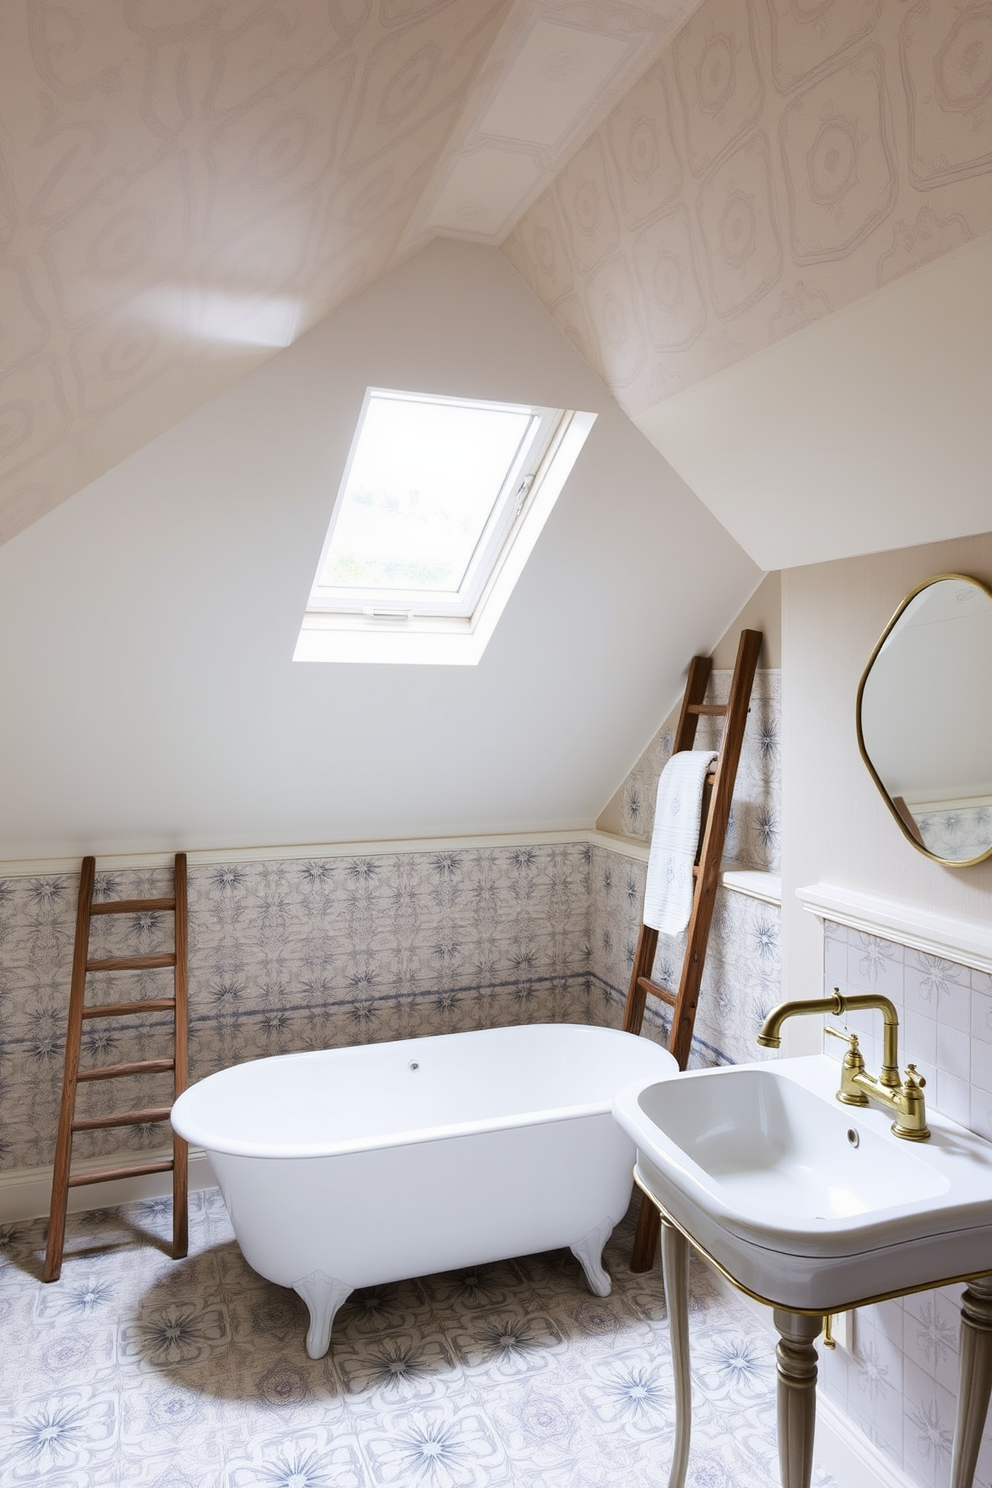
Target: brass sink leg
[(675, 1269), (975, 1379), (796, 1395)]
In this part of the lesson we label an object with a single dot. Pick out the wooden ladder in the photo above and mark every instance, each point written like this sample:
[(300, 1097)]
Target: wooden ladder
[(718, 794), (62, 1181)]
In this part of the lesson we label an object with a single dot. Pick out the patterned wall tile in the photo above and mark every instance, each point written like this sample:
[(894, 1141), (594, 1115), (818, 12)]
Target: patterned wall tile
[(901, 1379), (307, 954), (753, 836), (294, 954)]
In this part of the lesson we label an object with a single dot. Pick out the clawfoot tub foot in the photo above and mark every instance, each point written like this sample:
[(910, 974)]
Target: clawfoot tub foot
[(323, 1296), (589, 1253)]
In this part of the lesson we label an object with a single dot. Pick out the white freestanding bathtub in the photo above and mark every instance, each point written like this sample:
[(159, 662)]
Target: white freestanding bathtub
[(351, 1167)]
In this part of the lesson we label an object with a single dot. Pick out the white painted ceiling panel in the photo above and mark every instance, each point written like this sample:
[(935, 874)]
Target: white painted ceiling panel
[(483, 192), (555, 78)]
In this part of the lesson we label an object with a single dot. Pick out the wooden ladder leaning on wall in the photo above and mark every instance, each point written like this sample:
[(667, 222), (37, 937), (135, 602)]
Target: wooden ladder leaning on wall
[(62, 1180), (718, 795)]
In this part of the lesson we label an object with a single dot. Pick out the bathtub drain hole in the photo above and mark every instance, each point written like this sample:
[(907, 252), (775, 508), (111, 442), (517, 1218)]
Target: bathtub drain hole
[(413, 1065), (853, 1137)]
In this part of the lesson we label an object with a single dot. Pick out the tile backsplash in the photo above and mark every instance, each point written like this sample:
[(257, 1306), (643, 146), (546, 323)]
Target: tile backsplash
[(753, 833), (291, 954), (899, 1385), (743, 974), (308, 953)]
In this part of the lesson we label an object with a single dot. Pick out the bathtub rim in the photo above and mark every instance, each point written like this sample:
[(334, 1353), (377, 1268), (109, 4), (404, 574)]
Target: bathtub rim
[(200, 1134)]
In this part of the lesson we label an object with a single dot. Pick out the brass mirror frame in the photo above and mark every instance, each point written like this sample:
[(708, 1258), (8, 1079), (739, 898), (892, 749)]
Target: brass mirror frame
[(904, 828)]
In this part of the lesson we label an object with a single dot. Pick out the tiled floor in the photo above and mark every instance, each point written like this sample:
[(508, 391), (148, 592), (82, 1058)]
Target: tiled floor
[(135, 1371)]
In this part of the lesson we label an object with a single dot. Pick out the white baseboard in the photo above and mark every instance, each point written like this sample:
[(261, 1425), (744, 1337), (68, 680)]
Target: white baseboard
[(26, 1193), (847, 1454)]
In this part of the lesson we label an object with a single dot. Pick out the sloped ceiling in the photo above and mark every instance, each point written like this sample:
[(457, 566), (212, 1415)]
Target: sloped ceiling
[(147, 626), (186, 188), (687, 187), (716, 247)]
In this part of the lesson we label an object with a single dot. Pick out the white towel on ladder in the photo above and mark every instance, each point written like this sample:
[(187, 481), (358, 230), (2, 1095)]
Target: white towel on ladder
[(678, 807)]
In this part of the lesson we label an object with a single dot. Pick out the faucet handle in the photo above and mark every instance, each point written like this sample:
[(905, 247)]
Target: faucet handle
[(847, 1038), (913, 1076)]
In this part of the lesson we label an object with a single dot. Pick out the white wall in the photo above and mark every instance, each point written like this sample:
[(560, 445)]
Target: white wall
[(834, 441), (836, 827), (148, 624)]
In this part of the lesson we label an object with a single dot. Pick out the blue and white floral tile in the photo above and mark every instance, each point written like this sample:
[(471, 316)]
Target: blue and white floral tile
[(754, 832), (194, 1373), (902, 1378), (295, 954), (283, 1459), (957, 833)]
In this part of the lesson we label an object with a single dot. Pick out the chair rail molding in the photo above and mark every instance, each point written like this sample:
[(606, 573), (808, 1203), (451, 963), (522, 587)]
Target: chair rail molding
[(967, 942)]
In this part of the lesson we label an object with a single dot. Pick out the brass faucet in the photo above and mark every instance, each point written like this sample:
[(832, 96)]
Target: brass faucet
[(857, 1087)]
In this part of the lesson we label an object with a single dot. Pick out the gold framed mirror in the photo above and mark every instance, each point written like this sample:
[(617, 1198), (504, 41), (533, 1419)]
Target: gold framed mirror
[(924, 718)]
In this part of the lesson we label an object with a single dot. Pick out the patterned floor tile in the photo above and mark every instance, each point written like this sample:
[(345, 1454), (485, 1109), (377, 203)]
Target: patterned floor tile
[(136, 1371)]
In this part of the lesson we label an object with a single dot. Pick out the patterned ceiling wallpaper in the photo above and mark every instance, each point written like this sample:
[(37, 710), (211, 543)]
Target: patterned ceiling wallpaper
[(186, 188), (168, 208), (781, 160)]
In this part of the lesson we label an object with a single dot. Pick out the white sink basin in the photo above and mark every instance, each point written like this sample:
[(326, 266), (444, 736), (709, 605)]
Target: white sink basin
[(809, 1203)]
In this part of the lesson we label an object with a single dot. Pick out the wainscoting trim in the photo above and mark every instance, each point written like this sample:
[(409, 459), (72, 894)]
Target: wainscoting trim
[(966, 942)]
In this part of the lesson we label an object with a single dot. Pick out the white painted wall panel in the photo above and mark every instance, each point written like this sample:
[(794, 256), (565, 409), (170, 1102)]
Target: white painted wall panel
[(148, 624)]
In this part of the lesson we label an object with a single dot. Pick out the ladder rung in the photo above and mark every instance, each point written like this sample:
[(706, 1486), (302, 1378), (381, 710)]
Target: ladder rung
[(131, 963), (123, 1118), (84, 960), (111, 1009), (662, 992), (110, 1174), (131, 906), (117, 1071), (716, 710)]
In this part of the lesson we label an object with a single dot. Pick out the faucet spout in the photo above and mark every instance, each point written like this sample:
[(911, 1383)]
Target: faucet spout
[(770, 1033), (888, 1088)]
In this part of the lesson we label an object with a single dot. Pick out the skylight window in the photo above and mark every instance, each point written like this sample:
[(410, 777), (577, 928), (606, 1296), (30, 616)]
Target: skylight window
[(438, 496)]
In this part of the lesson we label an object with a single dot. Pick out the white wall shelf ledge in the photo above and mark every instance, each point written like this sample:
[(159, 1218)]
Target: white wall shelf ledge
[(967, 942), (755, 883)]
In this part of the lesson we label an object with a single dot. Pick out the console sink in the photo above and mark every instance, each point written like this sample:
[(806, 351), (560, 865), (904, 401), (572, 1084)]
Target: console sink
[(807, 1203)]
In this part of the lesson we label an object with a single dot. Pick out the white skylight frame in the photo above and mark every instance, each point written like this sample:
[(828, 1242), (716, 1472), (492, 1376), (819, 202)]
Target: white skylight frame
[(452, 627)]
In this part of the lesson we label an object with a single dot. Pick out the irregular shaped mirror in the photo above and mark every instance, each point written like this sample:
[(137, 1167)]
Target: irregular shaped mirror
[(925, 718)]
